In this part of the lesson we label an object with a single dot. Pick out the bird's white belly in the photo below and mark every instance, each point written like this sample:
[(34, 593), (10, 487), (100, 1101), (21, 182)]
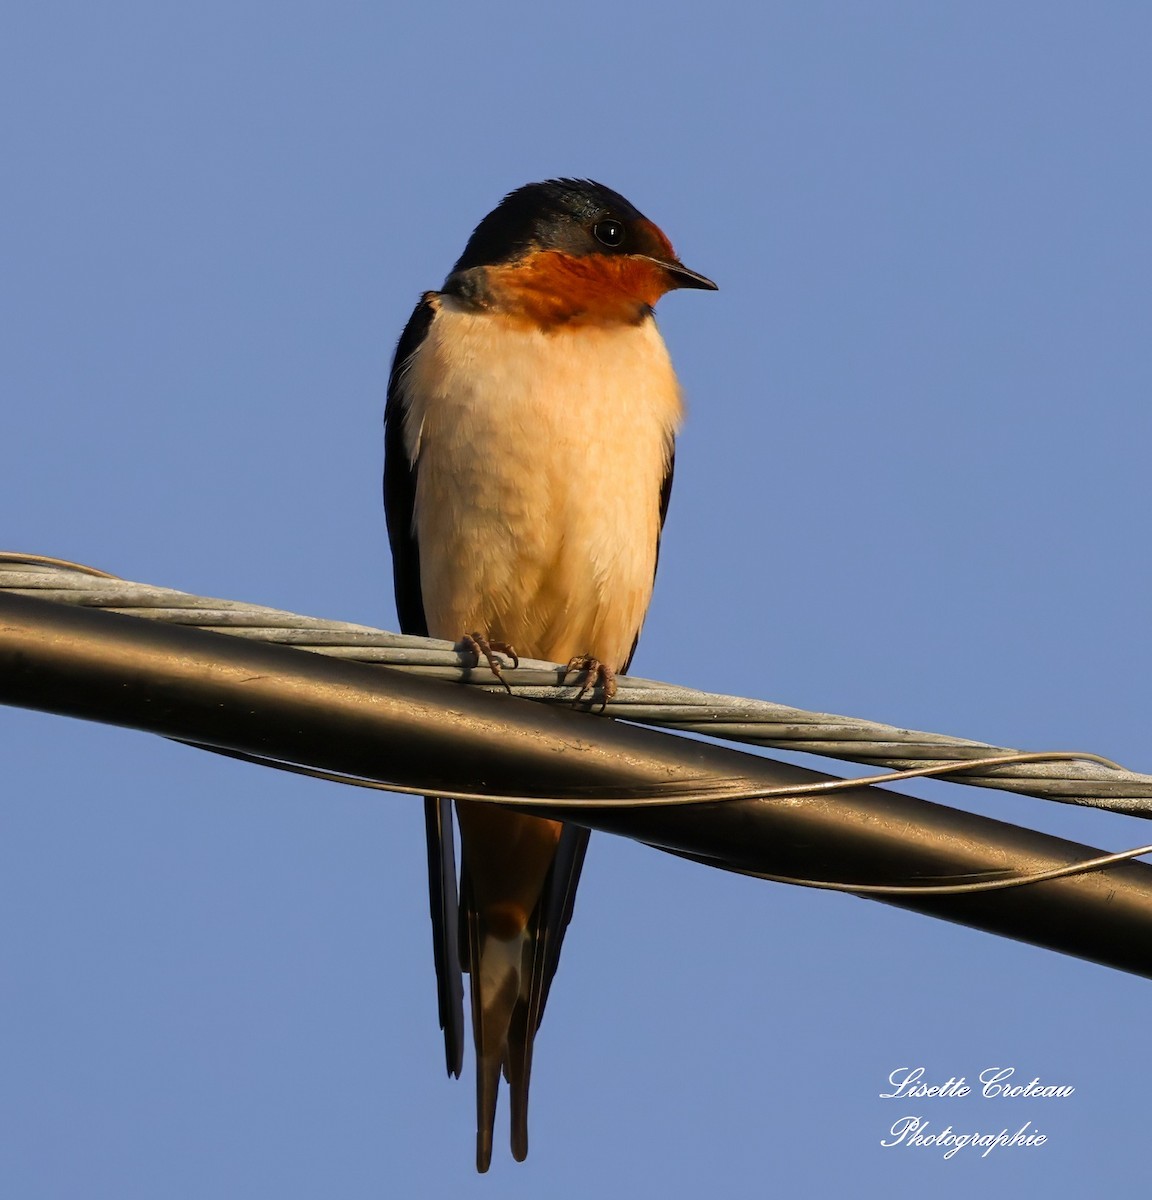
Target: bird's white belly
[(540, 460)]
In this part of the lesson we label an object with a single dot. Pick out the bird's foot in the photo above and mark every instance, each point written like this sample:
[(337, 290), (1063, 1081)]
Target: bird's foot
[(478, 645), (593, 674)]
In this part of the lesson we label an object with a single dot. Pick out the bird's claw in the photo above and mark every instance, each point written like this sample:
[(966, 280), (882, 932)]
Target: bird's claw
[(593, 674), (479, 646)]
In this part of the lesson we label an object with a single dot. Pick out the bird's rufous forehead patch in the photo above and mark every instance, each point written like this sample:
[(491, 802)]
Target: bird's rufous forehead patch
[(652, 239)]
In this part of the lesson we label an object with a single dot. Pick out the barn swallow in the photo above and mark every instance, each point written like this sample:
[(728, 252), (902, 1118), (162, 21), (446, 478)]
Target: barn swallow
[(532, 410)]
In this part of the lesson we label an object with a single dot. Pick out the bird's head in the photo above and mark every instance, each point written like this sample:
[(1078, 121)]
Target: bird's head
[(569, 251)]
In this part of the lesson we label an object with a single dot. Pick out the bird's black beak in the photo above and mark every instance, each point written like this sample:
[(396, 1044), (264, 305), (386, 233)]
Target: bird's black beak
[(683, 277)]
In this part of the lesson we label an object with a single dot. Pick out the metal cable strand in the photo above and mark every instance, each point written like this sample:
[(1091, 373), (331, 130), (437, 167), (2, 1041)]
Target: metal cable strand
[(668, 706)]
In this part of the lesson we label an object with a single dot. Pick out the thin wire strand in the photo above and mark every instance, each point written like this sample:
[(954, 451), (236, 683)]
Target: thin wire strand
[(719, 795), (1083, 867), (640, 799), (43, 560), (710, 796)]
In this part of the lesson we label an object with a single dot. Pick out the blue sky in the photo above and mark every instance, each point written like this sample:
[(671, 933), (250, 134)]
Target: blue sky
[(912, 487)]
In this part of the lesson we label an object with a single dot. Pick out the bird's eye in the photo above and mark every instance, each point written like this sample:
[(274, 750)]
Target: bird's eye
[(610, 232)]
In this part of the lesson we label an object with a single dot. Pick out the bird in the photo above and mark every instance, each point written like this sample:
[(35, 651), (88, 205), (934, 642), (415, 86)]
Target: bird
[(530, 426)]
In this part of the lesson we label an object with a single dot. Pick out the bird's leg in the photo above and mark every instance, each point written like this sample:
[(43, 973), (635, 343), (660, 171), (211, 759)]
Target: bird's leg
[(477, 644), (593, 674)]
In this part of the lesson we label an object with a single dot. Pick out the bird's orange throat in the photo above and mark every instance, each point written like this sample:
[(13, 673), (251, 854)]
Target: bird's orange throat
[(551, 290)]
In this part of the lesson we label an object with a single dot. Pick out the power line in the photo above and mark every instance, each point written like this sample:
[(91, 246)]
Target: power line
[(667, 706), (267, 700)]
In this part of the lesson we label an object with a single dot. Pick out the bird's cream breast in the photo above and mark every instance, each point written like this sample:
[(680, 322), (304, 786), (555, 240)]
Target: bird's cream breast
[(540, 458)]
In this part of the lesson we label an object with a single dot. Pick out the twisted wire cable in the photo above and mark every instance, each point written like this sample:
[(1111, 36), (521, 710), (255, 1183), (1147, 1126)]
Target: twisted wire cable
[(667, 706)]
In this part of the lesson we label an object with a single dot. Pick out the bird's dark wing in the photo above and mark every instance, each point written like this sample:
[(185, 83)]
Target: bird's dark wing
[(555, 911), (665, 498), (444, 908), (400, 479), (548, 926), (666, 491), (399, 501)]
